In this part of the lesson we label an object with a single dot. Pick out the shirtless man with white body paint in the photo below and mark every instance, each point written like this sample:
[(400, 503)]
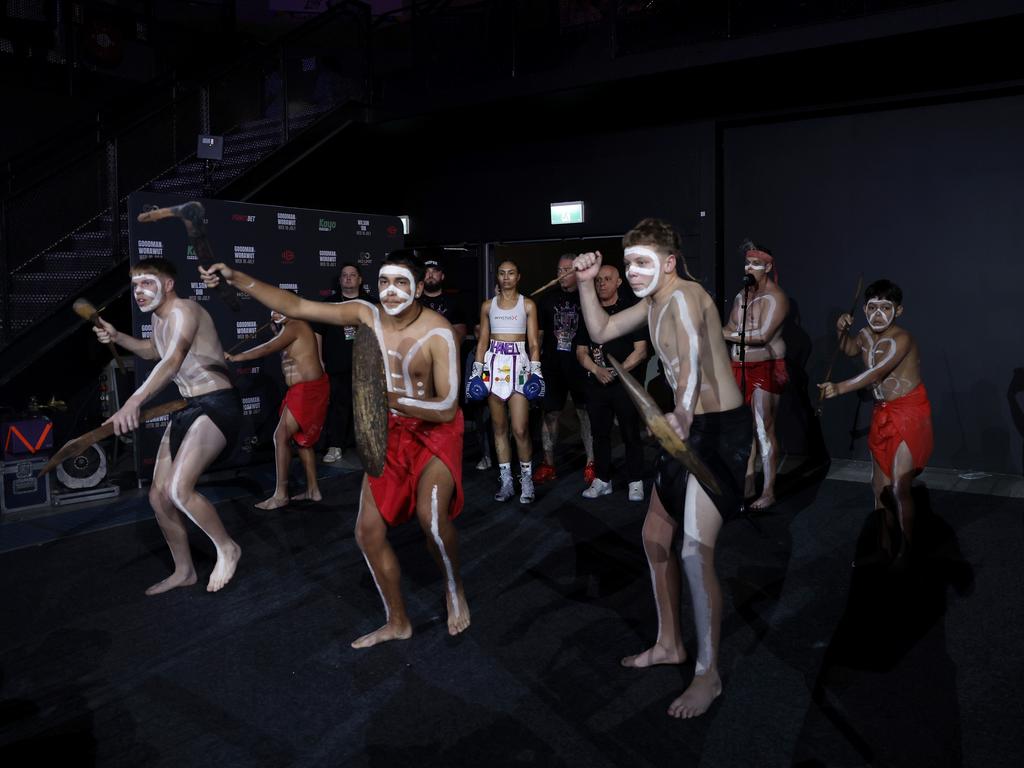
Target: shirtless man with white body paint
[(186, 344), (900, 439), (710, 414), (423, 473), (304, 407), (763, 372)]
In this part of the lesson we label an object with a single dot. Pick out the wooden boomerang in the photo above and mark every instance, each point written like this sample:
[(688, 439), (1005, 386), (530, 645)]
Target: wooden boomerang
[(839, 344), (87, 311), (79, 444), (662, 430), (191, 215), (544, 287)]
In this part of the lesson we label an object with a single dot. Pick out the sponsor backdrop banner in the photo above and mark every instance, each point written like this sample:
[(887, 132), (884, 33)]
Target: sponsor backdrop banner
[(295, 248)]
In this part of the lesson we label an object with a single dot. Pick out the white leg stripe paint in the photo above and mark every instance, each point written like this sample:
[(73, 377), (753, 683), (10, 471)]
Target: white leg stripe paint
[(449, 573)]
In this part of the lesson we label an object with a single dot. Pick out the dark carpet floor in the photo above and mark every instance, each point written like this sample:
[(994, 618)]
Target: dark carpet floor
[(822, 665)]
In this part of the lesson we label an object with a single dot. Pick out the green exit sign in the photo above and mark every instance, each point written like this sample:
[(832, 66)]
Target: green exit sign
[(567, 213)]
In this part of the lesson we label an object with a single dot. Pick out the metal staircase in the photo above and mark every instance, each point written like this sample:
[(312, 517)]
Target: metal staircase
[(58, 236)]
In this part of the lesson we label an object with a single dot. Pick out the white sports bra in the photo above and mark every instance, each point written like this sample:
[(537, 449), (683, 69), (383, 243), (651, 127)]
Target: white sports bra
[(508, 321)]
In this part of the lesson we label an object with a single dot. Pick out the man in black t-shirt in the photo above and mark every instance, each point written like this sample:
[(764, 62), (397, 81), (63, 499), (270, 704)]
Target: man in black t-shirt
[(607, 398), (337, 356), (435, 298)]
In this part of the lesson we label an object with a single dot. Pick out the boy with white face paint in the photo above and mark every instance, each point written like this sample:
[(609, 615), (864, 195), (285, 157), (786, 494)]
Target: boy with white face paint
[(900, 439), (304, 408), (762, 374), (190, 354), (710, 414), (423, 473)]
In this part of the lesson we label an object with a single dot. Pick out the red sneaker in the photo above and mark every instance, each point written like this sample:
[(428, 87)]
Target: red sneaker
[(544, 473), (588, 473)]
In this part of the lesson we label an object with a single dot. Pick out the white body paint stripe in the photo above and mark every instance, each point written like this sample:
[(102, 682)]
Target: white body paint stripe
[(387, 610), (453, 368), (448, 571), (175, 315)]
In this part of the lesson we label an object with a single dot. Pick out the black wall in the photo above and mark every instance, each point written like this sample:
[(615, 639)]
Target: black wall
[(929, 197)]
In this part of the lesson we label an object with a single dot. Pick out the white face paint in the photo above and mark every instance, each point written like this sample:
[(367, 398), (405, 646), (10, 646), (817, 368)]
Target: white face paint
[(880, 314), (389, 290), (640, 267), (149, 291)]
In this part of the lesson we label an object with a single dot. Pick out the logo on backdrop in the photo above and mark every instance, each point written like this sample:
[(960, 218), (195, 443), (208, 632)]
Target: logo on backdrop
[(190, 253), (287, 257), (199, 291), (328, 258), (245, 254), (364, 228), (286, 221), (289, 286), (365, 259), (147, 330), (159, 422), (150, 248), (326, 225), (245, 329), (251, 405), (242, 217), (392, 230)]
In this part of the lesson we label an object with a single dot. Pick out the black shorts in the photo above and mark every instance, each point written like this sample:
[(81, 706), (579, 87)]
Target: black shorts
[(563, 375), (722, 441), (223, 406)]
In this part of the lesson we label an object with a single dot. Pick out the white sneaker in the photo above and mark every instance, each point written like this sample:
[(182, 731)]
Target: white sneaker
[(484, 463), (636, 490), (526, 485), (506, 491), (332, 455), (598, 488)]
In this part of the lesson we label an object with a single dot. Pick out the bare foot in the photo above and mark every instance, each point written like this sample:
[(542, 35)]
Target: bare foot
[(653, 656), (183, 579), (458, 621), (766, 500), (696, 699), (227, 561), (274, 502), (748, 486), (382, 635), (308, 496)]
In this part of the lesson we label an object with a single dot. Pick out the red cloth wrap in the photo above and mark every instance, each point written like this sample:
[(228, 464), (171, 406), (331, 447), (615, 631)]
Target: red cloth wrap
[(412, 443), (769, 375), (307, 402), (906, 419)]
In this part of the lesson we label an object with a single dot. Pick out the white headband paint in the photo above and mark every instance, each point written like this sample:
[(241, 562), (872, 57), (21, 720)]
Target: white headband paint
[(154, 297), (393, 270), (643, 250)]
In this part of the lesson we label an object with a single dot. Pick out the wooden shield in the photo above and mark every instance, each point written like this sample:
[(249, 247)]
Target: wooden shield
[(662, 430), (369, 401)]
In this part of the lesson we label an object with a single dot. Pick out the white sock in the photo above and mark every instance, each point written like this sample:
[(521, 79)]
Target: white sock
[(505, 471)]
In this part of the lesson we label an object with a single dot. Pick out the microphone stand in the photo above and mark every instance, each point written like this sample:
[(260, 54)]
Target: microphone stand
[(748, 283)]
